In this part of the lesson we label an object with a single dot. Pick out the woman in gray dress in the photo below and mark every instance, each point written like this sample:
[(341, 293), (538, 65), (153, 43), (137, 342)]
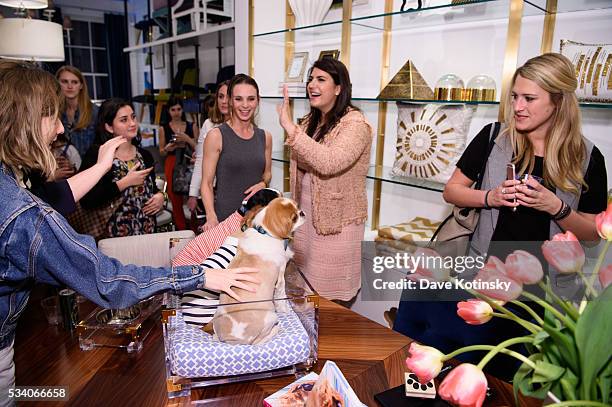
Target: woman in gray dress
[(237, 153)]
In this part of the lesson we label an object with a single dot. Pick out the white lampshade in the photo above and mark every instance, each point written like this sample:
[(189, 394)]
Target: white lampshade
[(25, 3), (24, 38)]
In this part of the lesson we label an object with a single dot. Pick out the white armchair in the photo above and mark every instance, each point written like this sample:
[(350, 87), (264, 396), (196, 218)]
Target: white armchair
[(156, 250)]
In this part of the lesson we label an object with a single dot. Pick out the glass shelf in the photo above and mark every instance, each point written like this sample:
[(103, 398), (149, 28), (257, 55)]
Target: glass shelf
[(595, 105), (475, 10), (569, 6), (384, 175)]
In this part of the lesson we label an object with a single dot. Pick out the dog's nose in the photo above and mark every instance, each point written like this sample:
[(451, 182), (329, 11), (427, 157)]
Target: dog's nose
[(302, 214)]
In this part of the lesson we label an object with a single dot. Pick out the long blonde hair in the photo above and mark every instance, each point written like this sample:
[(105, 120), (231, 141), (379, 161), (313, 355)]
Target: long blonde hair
[(28, 94), (215, 114), (84, 103), (565, 150)]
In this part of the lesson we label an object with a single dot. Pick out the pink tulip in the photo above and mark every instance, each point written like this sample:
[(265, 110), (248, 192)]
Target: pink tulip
[(465, 386), (424, 361), (604, 223), (493, 272), (474, 312), (430, 266), (564, 253), (524, 267), (605, 276)]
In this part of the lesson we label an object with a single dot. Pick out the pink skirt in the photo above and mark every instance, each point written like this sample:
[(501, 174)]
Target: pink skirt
[(331, 263)]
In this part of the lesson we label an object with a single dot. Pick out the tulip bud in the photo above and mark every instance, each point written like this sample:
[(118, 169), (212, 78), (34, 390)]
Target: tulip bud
[(493, 272), (564, 253), (474, 312), (524, 267), (424, 361), (434, 270), (603, 221), (605, 276), (465, 386)]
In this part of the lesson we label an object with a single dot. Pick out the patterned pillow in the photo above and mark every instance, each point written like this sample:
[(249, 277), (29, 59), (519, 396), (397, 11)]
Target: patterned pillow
[(194, 353), (430, 139), (593, 64)]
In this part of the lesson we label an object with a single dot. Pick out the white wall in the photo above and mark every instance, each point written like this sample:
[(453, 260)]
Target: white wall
[(450, 42)]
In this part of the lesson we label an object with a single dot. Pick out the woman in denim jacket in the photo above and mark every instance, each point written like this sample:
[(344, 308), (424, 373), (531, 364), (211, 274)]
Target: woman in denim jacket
[(38, 245)]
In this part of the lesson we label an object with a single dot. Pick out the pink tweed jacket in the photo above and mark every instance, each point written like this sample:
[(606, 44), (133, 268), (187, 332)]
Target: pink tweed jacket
[(338, 165)]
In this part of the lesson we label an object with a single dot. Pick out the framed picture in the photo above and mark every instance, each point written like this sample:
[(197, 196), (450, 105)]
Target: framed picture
[(330, 53), (159, 57), (295, 73)]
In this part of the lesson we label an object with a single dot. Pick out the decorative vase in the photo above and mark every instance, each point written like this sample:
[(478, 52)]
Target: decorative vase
[(309, 12)]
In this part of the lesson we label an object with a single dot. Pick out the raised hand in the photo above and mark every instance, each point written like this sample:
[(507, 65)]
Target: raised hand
[(106, 153), (136, 177), (284, 114)]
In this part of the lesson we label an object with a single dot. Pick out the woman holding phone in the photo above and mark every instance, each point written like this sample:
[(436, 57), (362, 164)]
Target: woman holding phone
[(130, 184), (176, 140), (541, 177)]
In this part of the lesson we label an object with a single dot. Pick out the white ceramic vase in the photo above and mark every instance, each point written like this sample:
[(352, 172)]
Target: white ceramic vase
[(309, 12)]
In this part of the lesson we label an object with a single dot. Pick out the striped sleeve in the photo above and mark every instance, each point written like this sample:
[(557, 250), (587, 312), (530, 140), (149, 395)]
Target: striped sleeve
[(207, 242)]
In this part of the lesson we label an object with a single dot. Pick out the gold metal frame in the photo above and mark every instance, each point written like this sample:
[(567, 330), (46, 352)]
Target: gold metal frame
[(511, 55), (549, 26), (382, 115), (251, 38), (345, 49)]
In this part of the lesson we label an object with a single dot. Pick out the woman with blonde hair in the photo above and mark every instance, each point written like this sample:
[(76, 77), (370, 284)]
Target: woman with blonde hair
[(560, 185), (542, 137), (78, 113), (38, 245)]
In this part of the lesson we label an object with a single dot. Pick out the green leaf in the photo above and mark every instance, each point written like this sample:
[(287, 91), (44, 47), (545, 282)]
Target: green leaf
[(605, 382), (566, 345), (523, 381), (593, 340), (540, 337), (569, 384), (545, 372)]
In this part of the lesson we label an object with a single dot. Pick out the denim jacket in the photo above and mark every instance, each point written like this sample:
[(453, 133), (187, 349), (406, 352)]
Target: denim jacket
[(38, 245)]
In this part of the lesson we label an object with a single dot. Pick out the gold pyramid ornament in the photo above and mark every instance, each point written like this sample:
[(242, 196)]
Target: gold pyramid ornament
[(407, 84)]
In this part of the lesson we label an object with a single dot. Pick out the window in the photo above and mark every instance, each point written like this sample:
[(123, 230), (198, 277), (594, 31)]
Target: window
[(85, 46)]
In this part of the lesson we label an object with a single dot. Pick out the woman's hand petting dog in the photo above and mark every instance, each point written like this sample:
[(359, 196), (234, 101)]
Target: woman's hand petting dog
[(224, 280)]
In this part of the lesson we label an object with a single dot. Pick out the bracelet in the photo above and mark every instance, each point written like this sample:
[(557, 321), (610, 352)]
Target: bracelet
[(486, 200), (563, 212)]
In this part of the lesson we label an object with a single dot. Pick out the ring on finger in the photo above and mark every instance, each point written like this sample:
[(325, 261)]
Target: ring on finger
[(503, 190)]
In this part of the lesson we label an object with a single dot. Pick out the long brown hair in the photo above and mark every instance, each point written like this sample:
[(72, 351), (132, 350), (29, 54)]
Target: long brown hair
[(215, 114), (84, 103), (564, 149), (28, 94), (337, 70)]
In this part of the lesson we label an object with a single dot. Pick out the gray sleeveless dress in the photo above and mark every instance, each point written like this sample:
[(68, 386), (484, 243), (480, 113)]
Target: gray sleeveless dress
[(241, 164)]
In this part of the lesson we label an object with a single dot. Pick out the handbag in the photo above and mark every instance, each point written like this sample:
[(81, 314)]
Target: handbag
[(94, 221), (460, 225), (182, 172)]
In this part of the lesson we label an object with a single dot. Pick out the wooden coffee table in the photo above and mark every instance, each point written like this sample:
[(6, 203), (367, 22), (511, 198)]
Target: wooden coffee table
[(370, 356)]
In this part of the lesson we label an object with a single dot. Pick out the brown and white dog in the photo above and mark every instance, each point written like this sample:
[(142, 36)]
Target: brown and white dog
[(262, 246)]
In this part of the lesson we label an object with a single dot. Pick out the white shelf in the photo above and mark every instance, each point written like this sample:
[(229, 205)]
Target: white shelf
[(175, 38)]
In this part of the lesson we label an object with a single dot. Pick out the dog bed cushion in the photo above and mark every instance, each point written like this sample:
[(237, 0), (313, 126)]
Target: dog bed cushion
[(194, 353)]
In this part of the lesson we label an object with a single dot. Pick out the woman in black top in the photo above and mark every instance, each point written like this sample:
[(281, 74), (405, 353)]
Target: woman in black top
[(543, 138), (130, 184), (176, 142)]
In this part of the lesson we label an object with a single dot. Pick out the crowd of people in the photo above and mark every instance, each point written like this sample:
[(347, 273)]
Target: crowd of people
[(63, 157)]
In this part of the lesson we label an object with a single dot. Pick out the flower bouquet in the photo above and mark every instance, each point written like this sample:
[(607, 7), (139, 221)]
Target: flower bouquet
[(569, 350)]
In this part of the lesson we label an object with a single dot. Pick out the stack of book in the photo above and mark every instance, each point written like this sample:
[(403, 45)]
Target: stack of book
[(296, 89)]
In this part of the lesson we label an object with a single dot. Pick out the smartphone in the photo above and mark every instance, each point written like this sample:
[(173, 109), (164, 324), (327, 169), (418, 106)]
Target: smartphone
[(511, 174)]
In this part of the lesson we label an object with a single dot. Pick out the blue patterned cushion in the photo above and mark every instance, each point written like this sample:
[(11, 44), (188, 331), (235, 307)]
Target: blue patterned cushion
[(194, 353)]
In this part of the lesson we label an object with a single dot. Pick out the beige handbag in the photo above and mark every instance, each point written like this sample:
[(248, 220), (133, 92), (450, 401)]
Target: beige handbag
[(459, 226)]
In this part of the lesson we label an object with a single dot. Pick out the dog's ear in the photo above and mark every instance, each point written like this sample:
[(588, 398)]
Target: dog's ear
[(250, 215), (280, 218)]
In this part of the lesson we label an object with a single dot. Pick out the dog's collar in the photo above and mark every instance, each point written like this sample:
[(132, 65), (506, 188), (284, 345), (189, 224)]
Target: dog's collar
[(263, 231)]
